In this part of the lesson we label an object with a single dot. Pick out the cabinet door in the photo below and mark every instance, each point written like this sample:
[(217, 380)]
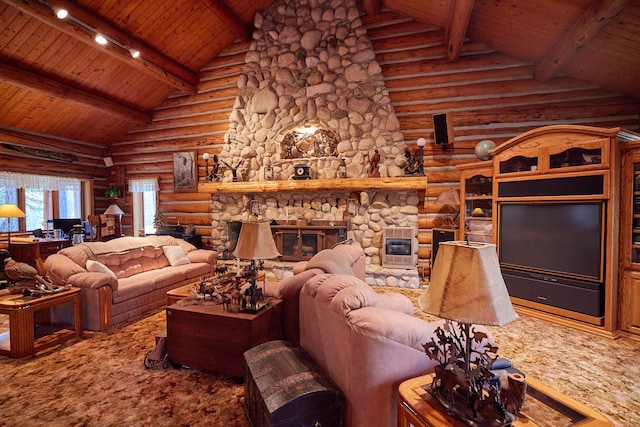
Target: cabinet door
[(630, 303)]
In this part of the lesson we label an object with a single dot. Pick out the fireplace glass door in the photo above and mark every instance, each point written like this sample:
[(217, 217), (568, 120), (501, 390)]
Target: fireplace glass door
[(299, 244)]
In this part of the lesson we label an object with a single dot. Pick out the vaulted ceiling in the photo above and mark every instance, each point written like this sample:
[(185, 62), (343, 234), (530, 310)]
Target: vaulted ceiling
[(56, 80)]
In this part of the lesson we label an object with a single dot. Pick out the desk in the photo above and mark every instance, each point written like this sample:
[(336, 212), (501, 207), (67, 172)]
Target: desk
[(24, 338), (39, 248), (543, 407)]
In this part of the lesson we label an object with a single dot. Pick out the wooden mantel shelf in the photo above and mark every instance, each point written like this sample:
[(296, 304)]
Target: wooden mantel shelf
[(344, 184)]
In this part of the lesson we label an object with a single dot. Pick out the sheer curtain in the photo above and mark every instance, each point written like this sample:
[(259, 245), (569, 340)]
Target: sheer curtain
[(38, 182), (143, 184)]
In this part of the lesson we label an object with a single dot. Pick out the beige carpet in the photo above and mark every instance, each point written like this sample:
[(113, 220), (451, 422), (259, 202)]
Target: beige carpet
[(100, 380)]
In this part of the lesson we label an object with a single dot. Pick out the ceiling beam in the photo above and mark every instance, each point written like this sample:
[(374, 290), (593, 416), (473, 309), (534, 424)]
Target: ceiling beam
[(32, 81), (459, 17), (372, 7), (228, 18), (596, 16), (150, 62)]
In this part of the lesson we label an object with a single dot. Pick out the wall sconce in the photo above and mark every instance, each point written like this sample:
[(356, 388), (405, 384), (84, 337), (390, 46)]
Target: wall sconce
[(415, 162), (215, 168)]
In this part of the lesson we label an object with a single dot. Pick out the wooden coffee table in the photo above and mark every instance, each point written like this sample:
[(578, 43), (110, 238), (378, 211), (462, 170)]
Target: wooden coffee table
[(31, 325), (543, 407), (204, 335)]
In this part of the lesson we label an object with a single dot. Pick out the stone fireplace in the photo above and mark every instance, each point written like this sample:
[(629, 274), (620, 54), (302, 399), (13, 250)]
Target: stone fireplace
[(313, 95)]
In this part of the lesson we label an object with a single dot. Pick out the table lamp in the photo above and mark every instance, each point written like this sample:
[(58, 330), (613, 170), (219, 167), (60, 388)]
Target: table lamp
[(117, 213), (466, 288), (9, 211), (255, 242)]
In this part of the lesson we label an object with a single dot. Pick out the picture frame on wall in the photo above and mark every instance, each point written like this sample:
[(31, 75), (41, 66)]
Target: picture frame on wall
[(184, 171)]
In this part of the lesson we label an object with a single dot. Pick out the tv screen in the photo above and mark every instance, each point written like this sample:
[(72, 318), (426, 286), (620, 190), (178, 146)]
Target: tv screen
[(560, 238), (65, 224), (398, 246)]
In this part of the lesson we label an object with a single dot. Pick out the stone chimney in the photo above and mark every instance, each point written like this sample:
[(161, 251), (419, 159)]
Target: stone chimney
[(312, 64)]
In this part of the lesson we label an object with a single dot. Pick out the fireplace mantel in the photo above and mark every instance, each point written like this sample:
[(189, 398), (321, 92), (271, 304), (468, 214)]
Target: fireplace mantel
[(342, 184)]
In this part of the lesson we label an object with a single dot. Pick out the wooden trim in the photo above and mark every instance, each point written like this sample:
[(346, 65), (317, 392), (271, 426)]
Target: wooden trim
[(105, 307)]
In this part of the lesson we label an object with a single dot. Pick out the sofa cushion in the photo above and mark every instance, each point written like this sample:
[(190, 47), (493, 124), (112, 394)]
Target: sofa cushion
[(131, 287), (175, 255), (98, 267)]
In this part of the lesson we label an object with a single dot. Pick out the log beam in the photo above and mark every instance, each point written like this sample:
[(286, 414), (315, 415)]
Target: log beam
[(372, 7), (150, 62), (228, 18), (29, 80), (459, 17), (596, 16)]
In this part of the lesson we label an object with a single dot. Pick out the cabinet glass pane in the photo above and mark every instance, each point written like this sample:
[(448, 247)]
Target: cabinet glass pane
[(635, 231)]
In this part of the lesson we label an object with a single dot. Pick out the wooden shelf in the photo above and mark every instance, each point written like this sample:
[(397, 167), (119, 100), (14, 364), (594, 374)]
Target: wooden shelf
[(345, 184)]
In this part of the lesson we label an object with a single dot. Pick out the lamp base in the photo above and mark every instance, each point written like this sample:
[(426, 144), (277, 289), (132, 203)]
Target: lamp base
[(473, 412)]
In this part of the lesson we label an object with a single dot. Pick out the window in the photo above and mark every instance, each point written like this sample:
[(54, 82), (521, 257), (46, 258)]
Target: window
[(41, 198), (144, 204)]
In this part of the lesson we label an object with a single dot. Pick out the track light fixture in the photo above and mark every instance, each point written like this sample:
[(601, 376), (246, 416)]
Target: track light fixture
[(135, 53), (60, 12), (101, 39)]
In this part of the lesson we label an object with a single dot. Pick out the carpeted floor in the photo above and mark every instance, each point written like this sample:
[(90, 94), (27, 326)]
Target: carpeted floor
[(100, 380)]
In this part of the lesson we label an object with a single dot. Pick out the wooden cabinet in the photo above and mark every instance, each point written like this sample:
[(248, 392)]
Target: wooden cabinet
[(552, 210), (30, 251), (629, 308), (476, 204)]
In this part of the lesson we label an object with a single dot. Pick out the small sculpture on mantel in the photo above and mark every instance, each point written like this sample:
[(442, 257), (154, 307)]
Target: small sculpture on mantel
[(375, 160)]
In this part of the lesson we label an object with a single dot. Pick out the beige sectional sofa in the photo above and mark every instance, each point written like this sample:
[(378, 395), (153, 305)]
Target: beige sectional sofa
[(367, 342), (128, 276)]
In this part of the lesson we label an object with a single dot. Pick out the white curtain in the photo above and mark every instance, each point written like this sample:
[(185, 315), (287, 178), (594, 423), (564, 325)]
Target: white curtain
[(145, 184), (38, 182)]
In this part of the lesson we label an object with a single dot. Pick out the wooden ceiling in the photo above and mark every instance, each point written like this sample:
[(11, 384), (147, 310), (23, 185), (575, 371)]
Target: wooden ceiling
[(55, 80)]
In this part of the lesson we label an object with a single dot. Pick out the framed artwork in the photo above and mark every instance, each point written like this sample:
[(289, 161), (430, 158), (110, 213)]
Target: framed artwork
[(184, 171)]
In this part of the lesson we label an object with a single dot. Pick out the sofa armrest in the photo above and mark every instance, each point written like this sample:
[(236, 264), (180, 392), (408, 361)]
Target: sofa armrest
[(93, 280), (60, 268), (203, 255)]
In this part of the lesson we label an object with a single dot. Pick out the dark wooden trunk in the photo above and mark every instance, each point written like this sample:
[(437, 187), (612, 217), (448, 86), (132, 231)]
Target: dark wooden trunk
[(285, 387)]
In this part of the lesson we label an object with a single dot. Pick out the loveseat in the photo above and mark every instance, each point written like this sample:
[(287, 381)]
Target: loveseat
[(127, 276), (367, 342)]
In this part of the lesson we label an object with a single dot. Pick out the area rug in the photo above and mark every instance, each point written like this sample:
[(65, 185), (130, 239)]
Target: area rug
[(100, 379)]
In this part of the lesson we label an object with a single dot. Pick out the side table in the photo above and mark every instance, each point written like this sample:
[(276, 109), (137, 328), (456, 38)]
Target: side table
[(24, 338), (543, 407)]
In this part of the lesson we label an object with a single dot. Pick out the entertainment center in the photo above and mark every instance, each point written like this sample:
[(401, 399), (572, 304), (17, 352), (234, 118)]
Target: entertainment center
[(549, 199)]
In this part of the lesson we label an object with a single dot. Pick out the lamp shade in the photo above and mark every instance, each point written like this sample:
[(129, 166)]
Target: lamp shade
[(466, 286), (256, 242), (9, 210), (114, 210)]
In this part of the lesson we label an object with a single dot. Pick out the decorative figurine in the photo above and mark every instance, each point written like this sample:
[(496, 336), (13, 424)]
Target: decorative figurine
[(375, 160)]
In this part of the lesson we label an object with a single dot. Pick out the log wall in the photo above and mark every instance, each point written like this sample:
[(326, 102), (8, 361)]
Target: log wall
[(488, 95)]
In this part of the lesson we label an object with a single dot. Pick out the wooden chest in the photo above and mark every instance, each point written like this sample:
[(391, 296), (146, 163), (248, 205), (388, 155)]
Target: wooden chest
[(284, 387), (208, 337)]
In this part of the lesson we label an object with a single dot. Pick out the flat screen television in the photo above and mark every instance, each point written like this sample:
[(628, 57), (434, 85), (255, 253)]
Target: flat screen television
[(65, 224), (553, 238)]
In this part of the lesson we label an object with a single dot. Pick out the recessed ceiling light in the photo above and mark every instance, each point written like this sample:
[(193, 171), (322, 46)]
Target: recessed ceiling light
[(101, 39), (135, 53)]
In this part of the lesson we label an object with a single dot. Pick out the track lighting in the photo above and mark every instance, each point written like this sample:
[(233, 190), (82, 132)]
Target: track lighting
[(60, 12), (101, 39)]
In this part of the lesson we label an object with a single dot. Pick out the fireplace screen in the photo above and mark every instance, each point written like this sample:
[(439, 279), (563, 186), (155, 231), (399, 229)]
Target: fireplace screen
[(297, 245)]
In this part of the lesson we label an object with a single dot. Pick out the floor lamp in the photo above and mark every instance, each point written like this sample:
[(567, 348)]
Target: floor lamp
[(9, 211)]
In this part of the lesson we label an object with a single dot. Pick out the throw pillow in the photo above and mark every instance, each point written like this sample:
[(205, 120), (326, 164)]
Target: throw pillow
[(175, 255), (98, 267)]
